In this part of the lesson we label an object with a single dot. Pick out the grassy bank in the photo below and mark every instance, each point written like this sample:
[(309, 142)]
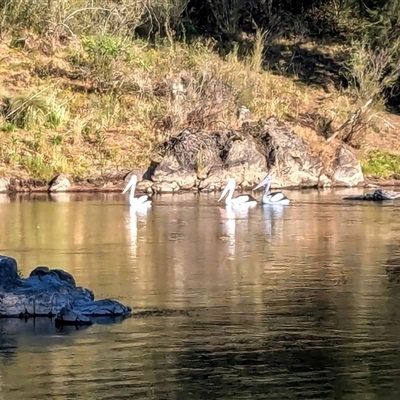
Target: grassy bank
[(86, 104)]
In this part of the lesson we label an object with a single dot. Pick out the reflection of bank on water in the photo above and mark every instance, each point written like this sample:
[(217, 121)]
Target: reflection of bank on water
[(276, 303)]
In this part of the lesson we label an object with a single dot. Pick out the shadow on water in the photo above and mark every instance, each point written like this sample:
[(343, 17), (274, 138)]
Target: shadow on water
[(295, 349), (15, 332)]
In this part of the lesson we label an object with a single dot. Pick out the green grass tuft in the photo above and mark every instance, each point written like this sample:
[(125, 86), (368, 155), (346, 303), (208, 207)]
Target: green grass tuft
[(381, 164)]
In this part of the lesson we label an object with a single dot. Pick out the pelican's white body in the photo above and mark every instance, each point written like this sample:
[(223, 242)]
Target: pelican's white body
[(141, 201), (241, 200)]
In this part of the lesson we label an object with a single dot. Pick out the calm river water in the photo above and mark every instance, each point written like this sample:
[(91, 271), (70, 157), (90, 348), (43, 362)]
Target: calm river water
[(274, 303)]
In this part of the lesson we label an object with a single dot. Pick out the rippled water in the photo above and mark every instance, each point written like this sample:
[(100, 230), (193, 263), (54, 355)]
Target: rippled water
[(274, 303)]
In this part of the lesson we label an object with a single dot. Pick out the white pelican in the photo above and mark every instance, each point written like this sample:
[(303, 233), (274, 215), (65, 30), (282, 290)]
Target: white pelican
[(271, 198), (241, 200), (142, 201)]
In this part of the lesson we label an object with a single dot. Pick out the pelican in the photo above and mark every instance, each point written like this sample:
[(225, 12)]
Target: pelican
[(241, 200), (136, 201), (271, 198)]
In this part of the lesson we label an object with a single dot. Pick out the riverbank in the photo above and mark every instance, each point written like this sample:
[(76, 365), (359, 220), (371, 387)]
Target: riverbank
[(93, 108), (117, 182)]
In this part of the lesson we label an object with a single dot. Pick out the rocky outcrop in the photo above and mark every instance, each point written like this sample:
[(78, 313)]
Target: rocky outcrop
[(378, 195), (247, 155), (52, 293), (288, 154), (244, 162), (203, 161)]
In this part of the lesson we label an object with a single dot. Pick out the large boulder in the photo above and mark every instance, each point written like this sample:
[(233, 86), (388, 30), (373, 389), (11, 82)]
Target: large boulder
[(346, 167), (169, 176), (244, 162), (290, 156), (8, 272), (51, 293), (59, 183)]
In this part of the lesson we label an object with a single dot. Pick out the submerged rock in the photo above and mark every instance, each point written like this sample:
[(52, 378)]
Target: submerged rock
[(378, 195), (51, 293)]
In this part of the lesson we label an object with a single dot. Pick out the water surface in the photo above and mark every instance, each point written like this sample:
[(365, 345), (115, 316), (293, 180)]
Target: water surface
[(277, 302)]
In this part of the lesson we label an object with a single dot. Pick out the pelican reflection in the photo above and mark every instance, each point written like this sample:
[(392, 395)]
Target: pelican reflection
[(230, 216), (4, 198), (273, 217), (60, 197), (136, 217)]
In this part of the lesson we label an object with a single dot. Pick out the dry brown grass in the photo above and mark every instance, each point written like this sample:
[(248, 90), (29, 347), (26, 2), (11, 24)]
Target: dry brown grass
[(111, 102)]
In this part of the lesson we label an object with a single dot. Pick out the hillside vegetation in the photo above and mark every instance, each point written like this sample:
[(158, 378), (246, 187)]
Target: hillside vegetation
[(89, 88)]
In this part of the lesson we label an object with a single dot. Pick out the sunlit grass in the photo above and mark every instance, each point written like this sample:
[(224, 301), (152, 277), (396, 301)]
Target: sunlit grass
[(106, 102), (381, 164)]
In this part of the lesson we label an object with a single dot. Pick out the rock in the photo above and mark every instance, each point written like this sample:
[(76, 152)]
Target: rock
[(4, 185), (64, 276), (168, 165), (292, 157), (378, 195), (244, 162), (213, 182), (186, 182), (67, 316), (169, 170), (60, 183), (27, 185), (51, 292), (170, 176), (324, 181), (40, 271), (143, 186), (347, 169), (8, 271), (243, 113), (166, 187), (206, 160)]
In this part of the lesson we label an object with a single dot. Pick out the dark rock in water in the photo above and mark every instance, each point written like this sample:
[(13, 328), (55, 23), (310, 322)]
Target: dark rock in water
[(378, 195), (52, 293), (41, 270), (8, 272)]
